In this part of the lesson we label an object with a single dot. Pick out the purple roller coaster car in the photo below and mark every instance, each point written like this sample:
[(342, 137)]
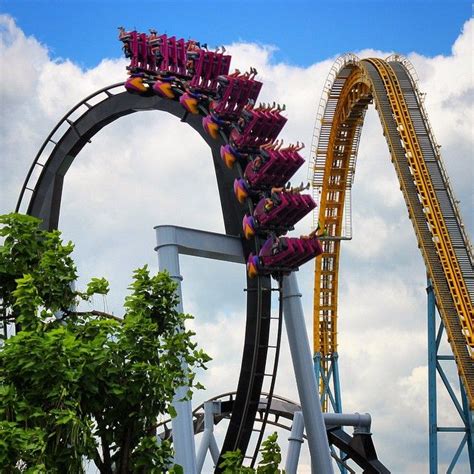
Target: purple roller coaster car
[(282, 210), (258, 127), (199, 79), (234, 93), (280, 255), (273, 167)]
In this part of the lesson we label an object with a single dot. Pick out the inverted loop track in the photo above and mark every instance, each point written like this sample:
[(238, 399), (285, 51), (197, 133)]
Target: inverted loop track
[(41, 197)]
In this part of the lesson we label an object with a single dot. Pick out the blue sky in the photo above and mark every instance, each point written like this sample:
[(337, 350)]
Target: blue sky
[(130, 177), (304, 31)]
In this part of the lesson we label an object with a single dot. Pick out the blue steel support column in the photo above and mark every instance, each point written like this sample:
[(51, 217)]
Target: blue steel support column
[(337, 386), (337, 395), (469, 426), (305, 380), (295, 442), (434, 368), (333, 396), (171, 242), (317, 370), (432, 402)]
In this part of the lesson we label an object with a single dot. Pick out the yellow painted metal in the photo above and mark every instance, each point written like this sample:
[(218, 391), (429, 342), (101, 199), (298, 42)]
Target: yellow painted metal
[(350, 98), (353, 99), (462, 342)]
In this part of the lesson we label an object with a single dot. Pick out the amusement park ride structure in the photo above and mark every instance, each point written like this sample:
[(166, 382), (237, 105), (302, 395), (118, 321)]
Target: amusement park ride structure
[(353, 84), (259, 209)]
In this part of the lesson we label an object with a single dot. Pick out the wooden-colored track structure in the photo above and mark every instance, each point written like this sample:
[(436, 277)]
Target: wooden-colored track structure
[(391, 84)]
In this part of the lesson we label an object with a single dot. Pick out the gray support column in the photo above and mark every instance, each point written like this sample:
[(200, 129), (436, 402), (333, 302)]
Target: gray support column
[(305, 378), (183, 431), (208, 441), (296, 440), (360, 422)]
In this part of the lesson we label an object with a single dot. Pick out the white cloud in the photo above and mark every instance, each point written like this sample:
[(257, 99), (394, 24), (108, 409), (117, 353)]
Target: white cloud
[(149, 169)]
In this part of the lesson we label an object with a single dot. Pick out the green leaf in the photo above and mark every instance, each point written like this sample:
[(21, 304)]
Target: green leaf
[(99, 286), (70, 390)]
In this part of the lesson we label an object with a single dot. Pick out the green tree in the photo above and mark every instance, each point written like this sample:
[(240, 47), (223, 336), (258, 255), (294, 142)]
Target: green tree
[(269, 463), (77, 385)]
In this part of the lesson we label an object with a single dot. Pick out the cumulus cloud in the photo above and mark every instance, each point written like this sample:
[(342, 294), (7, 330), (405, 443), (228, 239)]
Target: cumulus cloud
[(149, 169)]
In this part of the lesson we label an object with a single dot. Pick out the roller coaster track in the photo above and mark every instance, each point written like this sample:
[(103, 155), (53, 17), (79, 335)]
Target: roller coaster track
[(279, 413), (41, 196), (432, 208)]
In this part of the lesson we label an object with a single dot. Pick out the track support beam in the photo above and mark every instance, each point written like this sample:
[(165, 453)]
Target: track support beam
[(462, 408), (208, 441), (295, 442), (432, 394), (305, 378), (183, 431), (171, 242)]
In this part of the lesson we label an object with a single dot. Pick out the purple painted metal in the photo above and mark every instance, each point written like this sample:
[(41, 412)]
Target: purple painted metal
[(234, 93), (241, 190), (260, 128), (284, 254), (137, 47), (173, 53), (208, 66), (135, 84), (273, 168), (160, 54), (153, 51), (229, 155), (282, 210), (133, 45), (181, 57), (142, 58)]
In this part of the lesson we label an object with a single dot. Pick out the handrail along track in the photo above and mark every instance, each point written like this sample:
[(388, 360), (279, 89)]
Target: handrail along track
[(438, 226), (358, 448), (45, 202), (49, 139)]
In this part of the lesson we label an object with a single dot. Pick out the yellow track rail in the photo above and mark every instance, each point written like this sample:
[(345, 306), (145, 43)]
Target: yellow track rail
[(361, 82)]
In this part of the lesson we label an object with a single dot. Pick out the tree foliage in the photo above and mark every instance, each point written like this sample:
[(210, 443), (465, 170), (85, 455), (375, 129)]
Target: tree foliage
[(78, 385), (269, 463), (74, 385)]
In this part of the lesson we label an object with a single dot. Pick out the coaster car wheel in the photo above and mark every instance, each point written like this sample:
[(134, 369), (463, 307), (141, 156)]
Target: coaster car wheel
[(253, 265)]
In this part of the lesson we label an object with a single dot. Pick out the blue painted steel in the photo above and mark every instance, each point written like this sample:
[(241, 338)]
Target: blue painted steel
[(450, 390), (469, 425), (317, 366), (337, 386), (332, 394), (456, 455), (305, 380), (466, 416), (451, 429)]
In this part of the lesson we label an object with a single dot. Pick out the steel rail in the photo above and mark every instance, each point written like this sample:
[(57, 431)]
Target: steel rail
[(273, 374), (454, 270), (434, 163), (409, 71), (432, 206), (334, 172), (358, 448), (45, 202), (435, 244), (62, 121)]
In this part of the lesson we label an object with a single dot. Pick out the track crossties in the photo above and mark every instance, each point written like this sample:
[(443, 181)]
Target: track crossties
[(432, 209), (252, 169)]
